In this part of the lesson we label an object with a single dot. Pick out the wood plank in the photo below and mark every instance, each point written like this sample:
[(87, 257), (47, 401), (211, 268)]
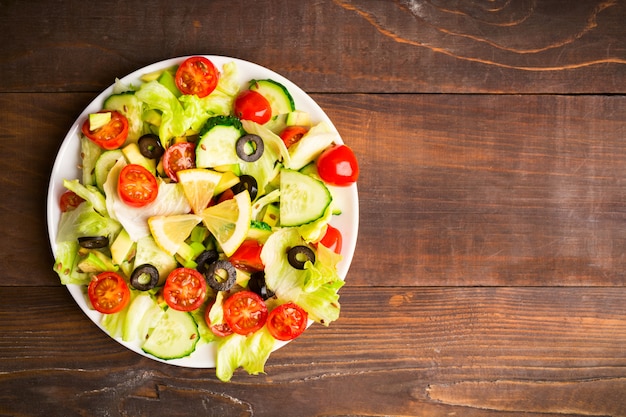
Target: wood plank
[(470, 351), (547, 46), (531, 194)]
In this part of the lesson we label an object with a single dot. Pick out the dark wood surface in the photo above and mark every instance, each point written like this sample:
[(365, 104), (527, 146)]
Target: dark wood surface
[(488, 278)]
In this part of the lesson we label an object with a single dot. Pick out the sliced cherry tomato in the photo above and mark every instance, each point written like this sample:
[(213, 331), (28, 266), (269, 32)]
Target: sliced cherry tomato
[(69, 201), (251, 105), (245, 312), (137, 186), (248, 256), (181, 155), (196, 75), (337, 165), (292, 134), (287, 321), (221, 329), (108, 292), (110, 136), (332, 239), (184, 289), (226, 195)]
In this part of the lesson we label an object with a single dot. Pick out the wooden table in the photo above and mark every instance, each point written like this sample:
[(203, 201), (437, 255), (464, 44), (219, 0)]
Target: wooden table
[(488, 278)]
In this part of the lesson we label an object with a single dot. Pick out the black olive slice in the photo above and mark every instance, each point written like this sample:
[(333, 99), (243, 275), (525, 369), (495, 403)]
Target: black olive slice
[(257, 285), (299, 255), (205, 259), (221, 275), (150, 146), (246, 182), (145, 277), (93, 242), (250, 147)]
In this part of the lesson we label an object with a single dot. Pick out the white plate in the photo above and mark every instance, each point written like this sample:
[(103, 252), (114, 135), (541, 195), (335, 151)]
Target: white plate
[(68, 160)]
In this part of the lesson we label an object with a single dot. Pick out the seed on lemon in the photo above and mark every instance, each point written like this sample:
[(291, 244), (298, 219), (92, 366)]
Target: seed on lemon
[(170, 232), (199, 186), (229, 221)]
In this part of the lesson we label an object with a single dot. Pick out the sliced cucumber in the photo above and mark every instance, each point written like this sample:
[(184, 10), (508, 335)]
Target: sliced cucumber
[(130, 106), (148, 252), (143, 313), (174, 336), (303, 199), (277, 94), (217, 147), (104, 164)]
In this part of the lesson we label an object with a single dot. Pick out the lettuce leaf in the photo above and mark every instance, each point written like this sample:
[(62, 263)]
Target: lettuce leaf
[(84, 221), (249, 352), (314, 288), (174, 121)]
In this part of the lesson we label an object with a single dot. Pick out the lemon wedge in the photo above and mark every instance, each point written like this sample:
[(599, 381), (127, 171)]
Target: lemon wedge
[(229, 221), (199, 186), (170, 232)]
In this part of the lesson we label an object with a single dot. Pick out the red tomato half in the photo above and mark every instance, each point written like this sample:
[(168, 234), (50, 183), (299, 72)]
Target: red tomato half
[(69, 201), (222, 329), (184, 289), (110, 136), (177, 157), (196, 75), (251, 105), (332, 239), (245, 312), (287, 321), (108, 292), (137, 186), (248, 256), (292, 134), (337, 165)]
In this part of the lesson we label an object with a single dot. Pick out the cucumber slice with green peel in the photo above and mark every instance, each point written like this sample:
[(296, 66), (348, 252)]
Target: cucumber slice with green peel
[(277, 94), (303, 199), (174, 336), (104, 164), (130, 106), (217, 147)]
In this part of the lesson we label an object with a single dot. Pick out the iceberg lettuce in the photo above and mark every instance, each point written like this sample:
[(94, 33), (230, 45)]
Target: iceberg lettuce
[(314, 288)]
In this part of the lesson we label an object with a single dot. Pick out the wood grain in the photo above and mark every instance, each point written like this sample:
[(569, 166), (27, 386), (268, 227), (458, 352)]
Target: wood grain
[(474, 352), (549, 46)]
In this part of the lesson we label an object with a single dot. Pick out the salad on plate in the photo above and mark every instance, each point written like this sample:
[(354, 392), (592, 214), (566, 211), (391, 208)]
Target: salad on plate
[(203, 212)]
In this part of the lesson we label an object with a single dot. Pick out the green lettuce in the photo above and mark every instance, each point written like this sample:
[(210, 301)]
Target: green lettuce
[(174, 121), (85, 221), (315, 288), (249, 352)]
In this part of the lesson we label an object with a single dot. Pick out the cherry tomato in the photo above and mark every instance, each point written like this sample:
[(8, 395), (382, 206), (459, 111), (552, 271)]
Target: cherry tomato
[(287, 321), (332, 239), (137, 186), (110, 136), (222, 329), (226, 195), (248, 256), (251, 105), (196, 75), (337, 165), (184, 289), (292, 134), (181, 155), (69, 201), (108, 292), (245, 312)]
